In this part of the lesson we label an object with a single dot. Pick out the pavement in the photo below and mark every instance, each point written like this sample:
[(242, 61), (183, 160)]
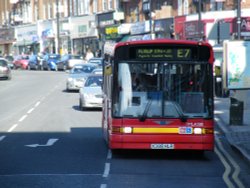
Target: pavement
[(238, 135)]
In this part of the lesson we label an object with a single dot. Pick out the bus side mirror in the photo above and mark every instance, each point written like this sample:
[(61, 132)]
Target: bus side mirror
[(108, 70)]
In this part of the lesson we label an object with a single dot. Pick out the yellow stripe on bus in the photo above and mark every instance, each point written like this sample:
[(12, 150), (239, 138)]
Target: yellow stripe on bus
[(155, 130)]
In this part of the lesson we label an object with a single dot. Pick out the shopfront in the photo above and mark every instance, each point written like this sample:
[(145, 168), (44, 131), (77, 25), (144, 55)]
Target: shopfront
[(83, 34), (27, 39)]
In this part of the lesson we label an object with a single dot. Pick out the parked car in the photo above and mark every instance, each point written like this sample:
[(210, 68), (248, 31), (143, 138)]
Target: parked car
[(34, 63), (68, 61), (96, 60), (91, 92), (50, 61), (78, 75), (10, 59), (5, 71), (21, 62), (97, 71)]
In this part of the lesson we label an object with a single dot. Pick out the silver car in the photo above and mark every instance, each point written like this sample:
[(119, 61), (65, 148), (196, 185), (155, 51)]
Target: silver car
[(5, 70), (77, 76), (91, 92)]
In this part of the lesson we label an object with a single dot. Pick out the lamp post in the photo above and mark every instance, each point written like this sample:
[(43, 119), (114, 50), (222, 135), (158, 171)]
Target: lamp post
[(238, 19), (57, 27), (199, 21), (150, 18)]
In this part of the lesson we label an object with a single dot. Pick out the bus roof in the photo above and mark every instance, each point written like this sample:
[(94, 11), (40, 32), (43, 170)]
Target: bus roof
[(164, 41)]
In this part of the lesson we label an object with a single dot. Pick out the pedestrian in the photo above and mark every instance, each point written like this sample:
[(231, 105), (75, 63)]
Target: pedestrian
[(89, 55)]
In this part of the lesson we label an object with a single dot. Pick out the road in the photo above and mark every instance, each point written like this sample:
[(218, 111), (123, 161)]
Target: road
[(46, 141)]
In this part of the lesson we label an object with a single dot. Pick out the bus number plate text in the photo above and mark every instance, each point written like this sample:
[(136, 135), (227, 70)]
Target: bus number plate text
[(162, 146)]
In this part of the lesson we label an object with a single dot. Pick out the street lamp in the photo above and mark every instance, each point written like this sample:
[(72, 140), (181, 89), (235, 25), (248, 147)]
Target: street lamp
[(199, 21), (57, 27), (238, 18)]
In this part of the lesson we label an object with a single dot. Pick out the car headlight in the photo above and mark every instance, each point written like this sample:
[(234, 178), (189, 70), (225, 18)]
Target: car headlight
[(88, 96)]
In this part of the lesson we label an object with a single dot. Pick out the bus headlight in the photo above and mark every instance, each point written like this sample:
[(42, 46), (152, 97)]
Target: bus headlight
[(127, 130), (197, 130)]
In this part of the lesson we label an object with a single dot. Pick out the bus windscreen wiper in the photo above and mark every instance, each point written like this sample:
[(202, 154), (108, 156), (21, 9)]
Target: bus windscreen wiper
[(144, 115), (182, 116)]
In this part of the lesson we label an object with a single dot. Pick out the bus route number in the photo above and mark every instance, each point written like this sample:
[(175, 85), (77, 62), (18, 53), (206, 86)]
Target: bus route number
[(183, 53)]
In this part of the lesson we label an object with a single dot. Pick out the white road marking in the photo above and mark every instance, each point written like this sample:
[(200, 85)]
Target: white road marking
[(1, 138), (235, 165), (23, 117), (12, 128), (106, 170), (109, 155), (37, 104), (50, 142), (30, 110), (227, 169), (103, 186)]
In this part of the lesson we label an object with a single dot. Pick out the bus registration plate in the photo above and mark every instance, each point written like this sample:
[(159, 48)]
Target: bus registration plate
[(162, 146)]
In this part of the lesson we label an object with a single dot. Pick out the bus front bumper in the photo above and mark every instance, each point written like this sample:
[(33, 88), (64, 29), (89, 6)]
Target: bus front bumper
[(176, 142)]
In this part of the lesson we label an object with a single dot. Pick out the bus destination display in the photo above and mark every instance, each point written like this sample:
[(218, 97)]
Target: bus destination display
[(163, 53)]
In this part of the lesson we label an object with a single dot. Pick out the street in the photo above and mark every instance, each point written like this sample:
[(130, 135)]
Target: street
[(46, 141)]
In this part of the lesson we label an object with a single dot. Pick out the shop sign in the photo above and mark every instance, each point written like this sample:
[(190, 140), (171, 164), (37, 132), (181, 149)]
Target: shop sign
[(140, 28), (26, 35), (245, 26), (48, 33), (105, 19), (124, 29), (191, 29), (111, 32)]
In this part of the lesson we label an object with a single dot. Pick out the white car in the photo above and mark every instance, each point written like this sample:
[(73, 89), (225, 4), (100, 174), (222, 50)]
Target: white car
[(78, 75), (91, 92)]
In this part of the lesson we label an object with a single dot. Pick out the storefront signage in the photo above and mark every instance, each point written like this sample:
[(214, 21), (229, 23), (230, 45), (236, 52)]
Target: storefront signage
[(124, 28), (140, 28), (191, 29), (244, 26), (27, 35), (48, 33), (105, 19), (111, 32)]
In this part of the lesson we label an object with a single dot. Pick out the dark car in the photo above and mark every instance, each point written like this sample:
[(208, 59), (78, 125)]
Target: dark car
[(50, 61), (10, 59), (68, 61), (34, 63)]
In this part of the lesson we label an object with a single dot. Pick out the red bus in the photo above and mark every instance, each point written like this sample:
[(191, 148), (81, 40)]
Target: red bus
[(158, 94)]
